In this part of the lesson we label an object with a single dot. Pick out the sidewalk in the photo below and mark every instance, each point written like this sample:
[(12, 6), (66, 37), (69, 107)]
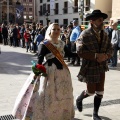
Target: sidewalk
[(15, 66)]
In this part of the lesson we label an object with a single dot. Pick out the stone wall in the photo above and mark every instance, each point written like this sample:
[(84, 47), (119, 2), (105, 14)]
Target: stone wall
[(116, 9)]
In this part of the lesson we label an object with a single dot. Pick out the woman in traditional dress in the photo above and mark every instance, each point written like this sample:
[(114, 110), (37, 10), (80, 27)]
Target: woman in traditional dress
[(53, 99)]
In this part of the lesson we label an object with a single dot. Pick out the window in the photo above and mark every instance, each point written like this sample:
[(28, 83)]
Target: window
[(30, 9), (41, 21), (56, 21), (44, 9), (65, 9), (48, 0), (75, 7), (65, 22), (30, 17), (10, 2), (41, 1), (48, 8), (25, 9), (41, 9), (75, 19), (56, 10), (87, 6)]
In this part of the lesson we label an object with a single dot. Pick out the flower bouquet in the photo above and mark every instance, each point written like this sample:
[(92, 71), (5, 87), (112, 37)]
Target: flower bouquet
[(38, 70)]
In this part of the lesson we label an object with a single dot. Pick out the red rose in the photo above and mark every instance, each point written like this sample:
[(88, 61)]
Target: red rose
[(41, 67)]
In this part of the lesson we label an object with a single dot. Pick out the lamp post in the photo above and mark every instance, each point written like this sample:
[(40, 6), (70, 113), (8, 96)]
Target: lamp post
[(7, 11), (1, 2), (81, 10), (47, 19), (0, 12)]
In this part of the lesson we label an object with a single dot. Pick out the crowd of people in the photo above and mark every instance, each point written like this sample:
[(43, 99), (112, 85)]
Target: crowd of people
[(29, 36), (25, 36), (114, 36)]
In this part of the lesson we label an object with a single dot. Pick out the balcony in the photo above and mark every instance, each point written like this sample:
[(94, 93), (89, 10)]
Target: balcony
[(40, 13), (65, 10), (75, 9), (56, 11)]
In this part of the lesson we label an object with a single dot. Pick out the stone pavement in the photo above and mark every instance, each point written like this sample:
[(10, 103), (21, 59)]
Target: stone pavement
[(15, 66)]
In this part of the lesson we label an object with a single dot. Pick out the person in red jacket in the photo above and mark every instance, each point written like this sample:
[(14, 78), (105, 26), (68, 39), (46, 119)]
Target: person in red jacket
[(27, 39)]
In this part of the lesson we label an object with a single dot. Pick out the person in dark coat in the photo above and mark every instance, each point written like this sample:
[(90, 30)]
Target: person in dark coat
[(0, 34), (95, 49), (5, 34), (68, 43), (109, 30), (15, 33)]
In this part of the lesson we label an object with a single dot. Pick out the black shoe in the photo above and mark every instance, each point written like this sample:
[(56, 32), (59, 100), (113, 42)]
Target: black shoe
[(71, 63), (77, 64), (68, 61), (79, 105), (80, 99), (96, 117)]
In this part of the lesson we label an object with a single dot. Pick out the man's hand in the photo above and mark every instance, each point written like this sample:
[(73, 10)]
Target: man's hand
[(101, 57)]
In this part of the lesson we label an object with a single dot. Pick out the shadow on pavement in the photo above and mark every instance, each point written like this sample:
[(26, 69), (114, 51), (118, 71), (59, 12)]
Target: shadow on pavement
[(104, 103), (16, 63), (104, 118), (77, 119)]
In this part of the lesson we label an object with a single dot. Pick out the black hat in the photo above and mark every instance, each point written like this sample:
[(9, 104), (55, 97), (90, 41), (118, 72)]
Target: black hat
[(96, 13)]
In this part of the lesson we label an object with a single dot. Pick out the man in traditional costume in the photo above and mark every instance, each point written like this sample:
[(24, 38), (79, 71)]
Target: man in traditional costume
[(95, 48)]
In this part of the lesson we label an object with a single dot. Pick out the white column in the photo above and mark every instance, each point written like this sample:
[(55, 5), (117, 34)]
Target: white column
[(79, 1), (7, 11)]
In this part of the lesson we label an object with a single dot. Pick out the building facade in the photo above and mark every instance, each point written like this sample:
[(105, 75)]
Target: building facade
[(7, 10), (62, 12), (116, 9), (29, 10), (104, 5), (65, 11)]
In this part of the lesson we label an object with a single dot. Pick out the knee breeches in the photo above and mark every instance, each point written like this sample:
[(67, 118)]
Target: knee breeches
[(97, 88)]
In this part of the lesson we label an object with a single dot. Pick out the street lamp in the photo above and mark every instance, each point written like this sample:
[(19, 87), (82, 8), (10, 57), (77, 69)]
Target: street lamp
[(1, 2), (0, 12), (47, 14), (81, 10), (7, 11)]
